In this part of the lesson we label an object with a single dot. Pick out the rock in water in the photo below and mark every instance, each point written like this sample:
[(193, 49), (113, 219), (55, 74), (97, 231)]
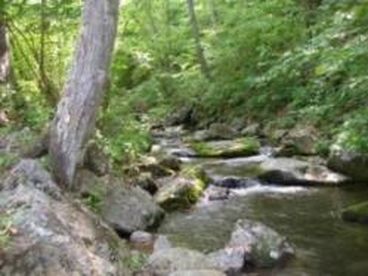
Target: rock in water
[(263, 246), (350, 163), (252, 245), (356, 213), (289, 171), (48, 234), (167, 261)]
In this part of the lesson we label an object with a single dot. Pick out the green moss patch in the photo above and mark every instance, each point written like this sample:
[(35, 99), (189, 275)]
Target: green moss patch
[(356, 213), (235, 148)]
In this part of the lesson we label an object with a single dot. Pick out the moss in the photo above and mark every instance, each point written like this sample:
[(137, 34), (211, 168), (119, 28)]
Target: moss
[(5, 227), (356, 213), (7, 160), (240, 147), (183, 191)]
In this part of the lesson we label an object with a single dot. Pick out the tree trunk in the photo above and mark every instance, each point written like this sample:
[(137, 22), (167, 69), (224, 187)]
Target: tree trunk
[(4, 53), (75, 119), (196, 35)]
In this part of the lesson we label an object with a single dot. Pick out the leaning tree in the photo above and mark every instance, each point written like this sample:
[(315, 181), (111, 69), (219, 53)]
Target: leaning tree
[(75, 118)]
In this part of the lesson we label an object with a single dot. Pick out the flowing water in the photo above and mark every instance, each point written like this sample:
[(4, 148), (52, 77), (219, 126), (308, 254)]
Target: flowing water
[(309, 217)]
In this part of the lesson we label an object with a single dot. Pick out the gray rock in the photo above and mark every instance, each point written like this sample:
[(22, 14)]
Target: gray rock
[(96, 160), (289, 171), (141, 237), (165, 262), (221, 131), (51, 235), (128, 209), (353, 164), (178, 192), (299, 141), (230, 260), (233, 182), (251, 130), (261, 245), (147, 183), (202, 272), (161, 243)]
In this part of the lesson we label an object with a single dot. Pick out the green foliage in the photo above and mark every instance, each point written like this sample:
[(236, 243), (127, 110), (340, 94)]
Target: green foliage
[(5, 226), (136, 261)]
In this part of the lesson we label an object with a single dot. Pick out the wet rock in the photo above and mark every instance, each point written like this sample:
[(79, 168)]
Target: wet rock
[(230, 260), (289, 171), (235, 182), (217, 193), (179, 192), (184, 116), (262, 246), (227, 148), (96, 160), (353, 164), (128, 209), (356, 213), (165, 262), (49, 234)]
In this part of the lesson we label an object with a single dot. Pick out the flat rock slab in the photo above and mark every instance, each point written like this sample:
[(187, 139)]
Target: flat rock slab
[(289, 171)]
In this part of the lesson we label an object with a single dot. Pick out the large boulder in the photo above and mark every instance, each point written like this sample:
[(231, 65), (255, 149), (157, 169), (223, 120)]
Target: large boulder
[(227, 148), (48, 234), (183, 190), (216, 131), (252, 245), (299, 141), (356, 213), (289, 171), (167, 261), (128, 209), (351, 163)]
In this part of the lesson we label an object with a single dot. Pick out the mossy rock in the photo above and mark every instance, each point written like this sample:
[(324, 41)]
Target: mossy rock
[(182, 191), (228, 148), (356, 213)]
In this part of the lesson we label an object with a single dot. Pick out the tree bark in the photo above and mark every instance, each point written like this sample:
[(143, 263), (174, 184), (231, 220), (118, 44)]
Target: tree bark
[(197, 39), (4, 53), (75, 118)]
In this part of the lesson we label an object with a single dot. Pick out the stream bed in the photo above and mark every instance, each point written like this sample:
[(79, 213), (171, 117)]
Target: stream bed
[(308, 216)]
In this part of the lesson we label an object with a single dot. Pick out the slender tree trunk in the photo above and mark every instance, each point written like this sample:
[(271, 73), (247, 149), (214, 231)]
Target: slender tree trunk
[(75, 119), (5, 68), (213, 11), (197, 39)]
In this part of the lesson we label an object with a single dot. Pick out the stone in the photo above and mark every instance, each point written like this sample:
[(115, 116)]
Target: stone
[(221, 131), (96, 160), (356, 213), (165, 262), (299, 141), (147, 183), (230, 260), (141, 237), (262, 246), (49, 234), (228, 148), (183, 190), (202, 272), (353, 164), (251, 130), (289, 171), (128, 209), (233, 182), (161, 243)]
